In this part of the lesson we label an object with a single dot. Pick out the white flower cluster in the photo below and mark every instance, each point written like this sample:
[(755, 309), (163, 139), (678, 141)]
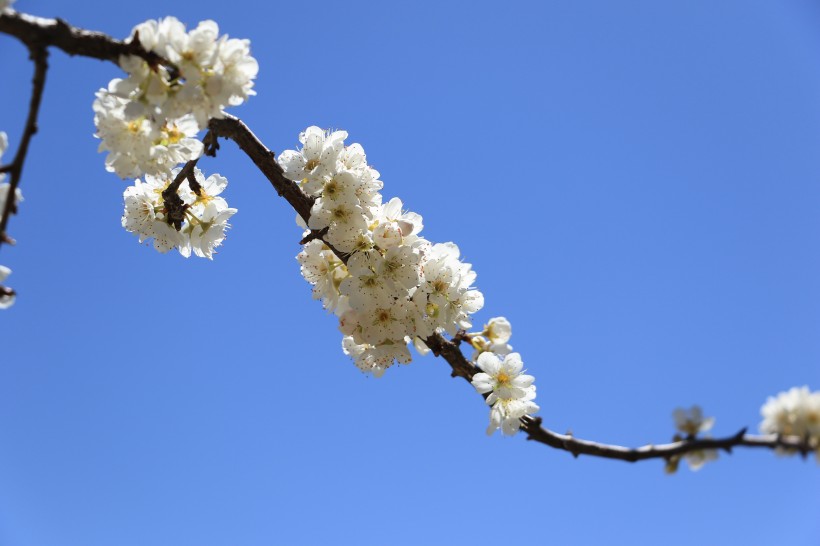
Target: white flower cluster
[(511, 392), (5, 4), (795, 412), (149, 121), (206, 214), (690, 423), (142, 145), (396, 285)]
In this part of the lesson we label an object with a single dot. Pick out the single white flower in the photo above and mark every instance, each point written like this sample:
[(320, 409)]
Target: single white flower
[(691, 421), (696, 459), (316, 160), (140, 145), (506, 414), (208, 231), (499, 330), (502, 379)]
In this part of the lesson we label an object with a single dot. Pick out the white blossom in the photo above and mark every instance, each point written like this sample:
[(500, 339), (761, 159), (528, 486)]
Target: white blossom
[(498, 330), (506, 414), (395, 286), (691, 422), (207, 232), (324, 270), (206, 214), (5, 186), (316, 161), (6, 299), (4, 4), (144, 216), (502, 379), (215, 72), (375, 359), (142, 145), (699, 457), (795, 412)]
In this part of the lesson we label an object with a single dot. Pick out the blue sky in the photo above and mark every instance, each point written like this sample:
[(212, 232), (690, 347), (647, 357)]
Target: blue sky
[(637, 185)]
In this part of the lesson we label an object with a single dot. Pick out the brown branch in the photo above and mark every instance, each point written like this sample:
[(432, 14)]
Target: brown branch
[(451, 352), (234, 129), (38, 54), (175, 207), (74, 41)]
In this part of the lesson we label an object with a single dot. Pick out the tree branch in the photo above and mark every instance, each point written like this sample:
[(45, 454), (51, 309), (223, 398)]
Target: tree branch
[(264, 159), (38, 33), (72, 40), (38, 54)]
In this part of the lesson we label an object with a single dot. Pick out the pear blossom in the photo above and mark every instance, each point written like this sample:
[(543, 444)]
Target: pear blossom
[(207, 232), (206, 219), (324, 270), (498, 330), (144, 216), (316, 160), (691, 422), (506, 413), (395, 287), (695, 459), (4, 143), (502, 379), (141, 145), (795, 412), (214, 71), (699, 457), (375, 359)]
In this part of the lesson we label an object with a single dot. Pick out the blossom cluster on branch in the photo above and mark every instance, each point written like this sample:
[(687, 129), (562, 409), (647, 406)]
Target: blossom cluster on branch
[(365, 259), (388, 285), (148, 123)]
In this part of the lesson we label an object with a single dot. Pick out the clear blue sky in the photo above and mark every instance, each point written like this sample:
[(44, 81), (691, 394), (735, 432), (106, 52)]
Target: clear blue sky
[(637, 185)]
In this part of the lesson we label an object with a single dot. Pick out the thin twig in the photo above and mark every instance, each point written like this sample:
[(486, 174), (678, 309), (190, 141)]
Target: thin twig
[(38, 54), (74, 41)]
